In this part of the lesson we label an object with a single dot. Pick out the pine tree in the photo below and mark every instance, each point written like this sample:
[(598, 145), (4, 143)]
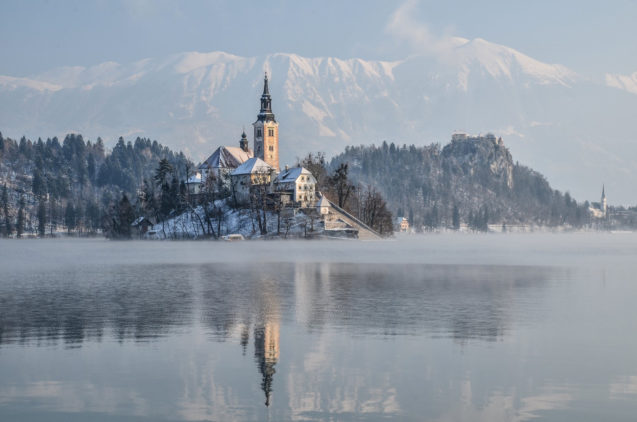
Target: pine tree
[(7, 229), (90, 168), (126, 216), (41, 218), (455, 217), (21, 217), (38, 186), (69, 217)]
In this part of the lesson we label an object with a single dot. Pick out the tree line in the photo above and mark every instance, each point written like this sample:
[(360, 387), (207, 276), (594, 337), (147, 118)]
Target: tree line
[(75, 184), (472, 182)]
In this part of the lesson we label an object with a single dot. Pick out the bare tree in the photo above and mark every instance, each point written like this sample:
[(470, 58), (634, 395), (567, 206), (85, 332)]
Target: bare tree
[(341, 185), (259, 188)]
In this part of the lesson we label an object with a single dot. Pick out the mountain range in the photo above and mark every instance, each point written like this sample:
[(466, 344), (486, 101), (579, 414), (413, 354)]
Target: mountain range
[(576, 130)]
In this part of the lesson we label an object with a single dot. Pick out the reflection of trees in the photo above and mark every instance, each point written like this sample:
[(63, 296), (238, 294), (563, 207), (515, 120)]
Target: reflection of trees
[(138, 302), (460, 301)]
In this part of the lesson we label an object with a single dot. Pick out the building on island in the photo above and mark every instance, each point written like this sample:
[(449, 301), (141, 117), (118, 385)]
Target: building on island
[(194, 184), (266, 130), (252, 174), (323, 205), (297, 186), (225, 159)]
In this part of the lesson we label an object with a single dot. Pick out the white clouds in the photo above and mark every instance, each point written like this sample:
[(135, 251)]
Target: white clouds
[(404, 27), (625, 82)]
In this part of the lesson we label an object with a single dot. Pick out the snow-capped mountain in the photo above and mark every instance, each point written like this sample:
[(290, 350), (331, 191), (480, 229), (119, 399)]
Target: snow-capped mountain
[(576, 131)]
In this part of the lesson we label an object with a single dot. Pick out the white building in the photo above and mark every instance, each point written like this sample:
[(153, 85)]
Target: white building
[(194, 184), (323, 206), (297, 185), (401, 224), (600, 209), (254, 172)]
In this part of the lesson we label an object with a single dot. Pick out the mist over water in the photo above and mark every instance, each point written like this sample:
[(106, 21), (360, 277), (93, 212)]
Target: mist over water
[(439, 327)]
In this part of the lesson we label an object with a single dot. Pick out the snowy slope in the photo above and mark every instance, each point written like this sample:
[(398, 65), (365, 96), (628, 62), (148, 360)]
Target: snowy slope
[(560, 123)]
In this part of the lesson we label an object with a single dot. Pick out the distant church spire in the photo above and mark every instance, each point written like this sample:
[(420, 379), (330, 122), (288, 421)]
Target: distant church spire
[(604, 204)]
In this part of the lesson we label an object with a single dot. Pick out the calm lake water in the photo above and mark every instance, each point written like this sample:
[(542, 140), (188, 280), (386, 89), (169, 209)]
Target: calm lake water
[(433, 328)]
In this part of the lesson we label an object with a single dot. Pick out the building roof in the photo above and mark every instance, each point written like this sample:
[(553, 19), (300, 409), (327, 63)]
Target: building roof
[(290, 175), (195, 178), (226, 158), (323, 202), (253, 165)]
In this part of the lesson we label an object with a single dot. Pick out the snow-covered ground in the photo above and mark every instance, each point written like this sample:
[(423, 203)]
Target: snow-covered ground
[(191, 224)]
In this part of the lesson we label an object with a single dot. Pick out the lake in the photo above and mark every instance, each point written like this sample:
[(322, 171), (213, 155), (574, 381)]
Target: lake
[(453, 327)]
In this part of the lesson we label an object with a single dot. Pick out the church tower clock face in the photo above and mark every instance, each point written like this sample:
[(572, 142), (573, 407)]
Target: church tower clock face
[(266, 130)]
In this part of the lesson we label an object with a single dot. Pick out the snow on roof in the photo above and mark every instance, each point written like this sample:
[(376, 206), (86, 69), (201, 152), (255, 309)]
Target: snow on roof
[(227, 158), (323, 202), (253, 165), (290, 175)]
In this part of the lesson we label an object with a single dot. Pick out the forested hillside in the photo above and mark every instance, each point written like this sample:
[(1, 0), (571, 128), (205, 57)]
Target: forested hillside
[(472, 181), (45, 185)]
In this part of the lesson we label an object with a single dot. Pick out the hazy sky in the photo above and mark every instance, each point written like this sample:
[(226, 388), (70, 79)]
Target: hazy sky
[(591, 37)]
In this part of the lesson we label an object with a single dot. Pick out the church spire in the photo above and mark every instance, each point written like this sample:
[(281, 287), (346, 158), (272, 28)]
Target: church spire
[(266, 89), (265, 114)]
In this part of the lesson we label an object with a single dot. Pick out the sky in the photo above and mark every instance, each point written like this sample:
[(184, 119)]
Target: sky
[(590, 37)]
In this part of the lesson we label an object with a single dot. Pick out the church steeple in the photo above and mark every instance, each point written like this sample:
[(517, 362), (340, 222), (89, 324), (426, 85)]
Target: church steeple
[(266, 130), (265, 114), (604, 204)]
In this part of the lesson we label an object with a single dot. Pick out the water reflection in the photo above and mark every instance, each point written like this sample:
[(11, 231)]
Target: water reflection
[(74, 307), (329, 341), (143, 303)]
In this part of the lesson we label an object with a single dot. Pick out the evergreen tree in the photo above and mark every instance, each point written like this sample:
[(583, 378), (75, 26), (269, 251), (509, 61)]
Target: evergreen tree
[(90, 168), (70, 217), (21, 217), (455, 217), (38, 185), (7, 229), (92, 216), (42, 218), (163, 171), (121, 219)]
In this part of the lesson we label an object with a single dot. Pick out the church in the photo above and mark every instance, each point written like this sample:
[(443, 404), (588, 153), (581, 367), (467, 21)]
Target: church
[(254, 176), (241, 169)]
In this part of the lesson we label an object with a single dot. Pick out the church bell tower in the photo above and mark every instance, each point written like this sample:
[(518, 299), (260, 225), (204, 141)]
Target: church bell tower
[(266, 130)]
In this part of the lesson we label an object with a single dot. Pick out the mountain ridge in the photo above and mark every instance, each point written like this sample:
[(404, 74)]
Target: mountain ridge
[(196, 101)]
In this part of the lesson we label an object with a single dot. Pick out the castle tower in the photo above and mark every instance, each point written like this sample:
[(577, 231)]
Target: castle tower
[(266, 130)]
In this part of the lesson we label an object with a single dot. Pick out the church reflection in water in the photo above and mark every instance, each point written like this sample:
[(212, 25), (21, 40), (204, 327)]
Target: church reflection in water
[(266, 353), (266, 302), (267, 330)]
